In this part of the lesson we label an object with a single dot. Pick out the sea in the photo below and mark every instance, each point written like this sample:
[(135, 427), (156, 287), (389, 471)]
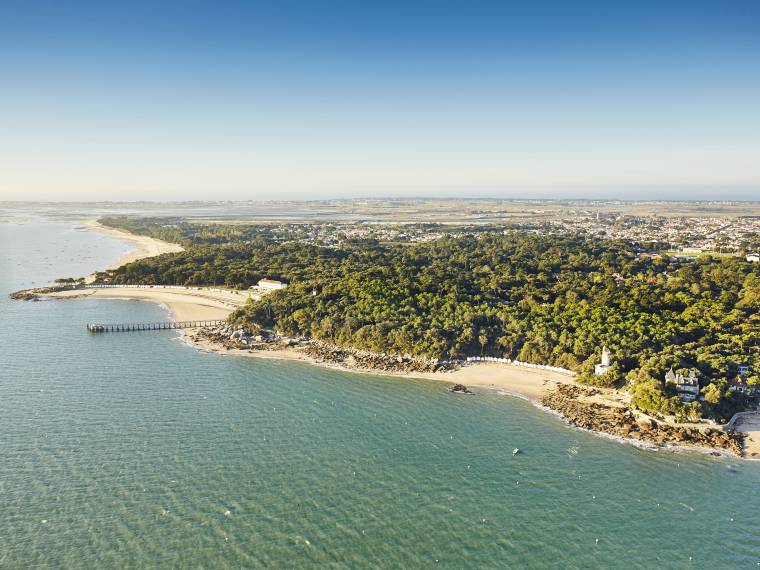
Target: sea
[(135, 450)]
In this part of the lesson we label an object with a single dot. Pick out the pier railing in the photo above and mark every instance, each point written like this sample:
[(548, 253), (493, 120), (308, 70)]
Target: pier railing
[(158, 326), (138, 286)]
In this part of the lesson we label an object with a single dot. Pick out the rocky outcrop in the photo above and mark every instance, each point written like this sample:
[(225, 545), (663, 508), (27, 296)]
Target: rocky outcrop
[(236, 338), (361, 360), (459, 389), (35, 294), (26, 295), (567, 400), (577, 404)]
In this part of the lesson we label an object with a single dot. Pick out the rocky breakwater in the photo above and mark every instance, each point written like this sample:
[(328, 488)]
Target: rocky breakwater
[(578, 405), (26, 295), (35, 294)]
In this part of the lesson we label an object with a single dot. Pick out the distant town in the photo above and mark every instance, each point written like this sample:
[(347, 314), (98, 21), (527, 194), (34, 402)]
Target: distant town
[(681, 228)]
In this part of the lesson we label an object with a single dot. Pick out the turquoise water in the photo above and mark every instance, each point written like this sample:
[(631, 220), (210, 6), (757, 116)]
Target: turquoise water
[(137, 451)]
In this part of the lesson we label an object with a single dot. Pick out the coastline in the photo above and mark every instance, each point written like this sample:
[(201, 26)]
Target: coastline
[(535, 385), (144, 246), (528, 384), (750, 427), (542, 388), (190, 304), (545, 389)]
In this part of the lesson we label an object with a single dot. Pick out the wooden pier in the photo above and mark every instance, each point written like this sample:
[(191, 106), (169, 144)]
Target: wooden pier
[(167, 325)]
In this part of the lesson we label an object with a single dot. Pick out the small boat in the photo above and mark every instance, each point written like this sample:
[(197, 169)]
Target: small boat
[(515, 451)]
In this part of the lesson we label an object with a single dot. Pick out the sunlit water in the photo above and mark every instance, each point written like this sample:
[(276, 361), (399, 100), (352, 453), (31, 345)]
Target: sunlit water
[(135, 450)]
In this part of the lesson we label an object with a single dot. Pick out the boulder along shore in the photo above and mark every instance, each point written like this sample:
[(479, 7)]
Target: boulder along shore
[(621, 421)]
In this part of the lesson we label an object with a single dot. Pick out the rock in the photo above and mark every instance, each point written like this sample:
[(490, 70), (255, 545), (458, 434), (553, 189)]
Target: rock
[(459, 389), (566, 399), (646, 425)]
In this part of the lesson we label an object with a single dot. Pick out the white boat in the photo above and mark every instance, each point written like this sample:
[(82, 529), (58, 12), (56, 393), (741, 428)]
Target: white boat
[(515, 451)]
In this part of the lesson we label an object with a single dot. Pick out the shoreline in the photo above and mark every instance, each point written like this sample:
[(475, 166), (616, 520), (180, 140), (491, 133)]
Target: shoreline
[(530, 386), (144, 246), (188, 304), (533, 385), (538, 391), (538, 386)]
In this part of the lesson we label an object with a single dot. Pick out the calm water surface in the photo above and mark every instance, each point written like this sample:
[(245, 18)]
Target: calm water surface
[(137, 451)]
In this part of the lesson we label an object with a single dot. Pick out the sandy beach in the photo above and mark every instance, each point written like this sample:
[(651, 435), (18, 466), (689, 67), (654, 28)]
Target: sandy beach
[(192, 304), (528, 383), (750, 426), (144, 246)]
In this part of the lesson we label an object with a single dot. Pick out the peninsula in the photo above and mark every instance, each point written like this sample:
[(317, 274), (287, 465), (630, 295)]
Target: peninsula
[(510, 310)]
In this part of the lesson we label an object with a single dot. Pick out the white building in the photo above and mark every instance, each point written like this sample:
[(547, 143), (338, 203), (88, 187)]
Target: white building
[(271, 284), (602, 368), (687, 386), (753, 257)]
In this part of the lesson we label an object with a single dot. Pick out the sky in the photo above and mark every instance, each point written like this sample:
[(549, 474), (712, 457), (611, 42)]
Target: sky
[(331, 99)]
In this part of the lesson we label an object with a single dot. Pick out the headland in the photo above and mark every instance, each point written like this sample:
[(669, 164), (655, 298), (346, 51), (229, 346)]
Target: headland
[(604, 411)]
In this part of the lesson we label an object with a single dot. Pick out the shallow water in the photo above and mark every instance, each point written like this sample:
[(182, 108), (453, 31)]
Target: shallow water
[(135, 450)]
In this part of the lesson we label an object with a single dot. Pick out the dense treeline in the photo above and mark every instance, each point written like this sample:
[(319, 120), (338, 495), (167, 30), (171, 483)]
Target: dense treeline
[(553, 300)]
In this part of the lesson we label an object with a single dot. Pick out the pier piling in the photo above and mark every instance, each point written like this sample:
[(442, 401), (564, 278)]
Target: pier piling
[(157, 326)]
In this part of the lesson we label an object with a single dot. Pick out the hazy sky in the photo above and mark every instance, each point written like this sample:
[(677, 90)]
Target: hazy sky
[(280, 99)]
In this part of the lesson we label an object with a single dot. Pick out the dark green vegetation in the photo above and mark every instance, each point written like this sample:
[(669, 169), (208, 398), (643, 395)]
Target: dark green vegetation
[(543, 299)]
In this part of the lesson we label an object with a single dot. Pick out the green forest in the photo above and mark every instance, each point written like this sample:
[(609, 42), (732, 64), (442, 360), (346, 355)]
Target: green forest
[(542, 299)]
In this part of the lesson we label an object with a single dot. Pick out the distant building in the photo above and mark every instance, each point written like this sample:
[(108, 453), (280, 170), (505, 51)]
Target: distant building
[(271, 284), (738, 384), (687, 386), (753, 257), (743, 369), (602, 368)]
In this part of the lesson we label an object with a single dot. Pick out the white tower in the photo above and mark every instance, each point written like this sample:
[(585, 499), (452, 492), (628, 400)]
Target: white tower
[(602, 368), (605, 356)]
